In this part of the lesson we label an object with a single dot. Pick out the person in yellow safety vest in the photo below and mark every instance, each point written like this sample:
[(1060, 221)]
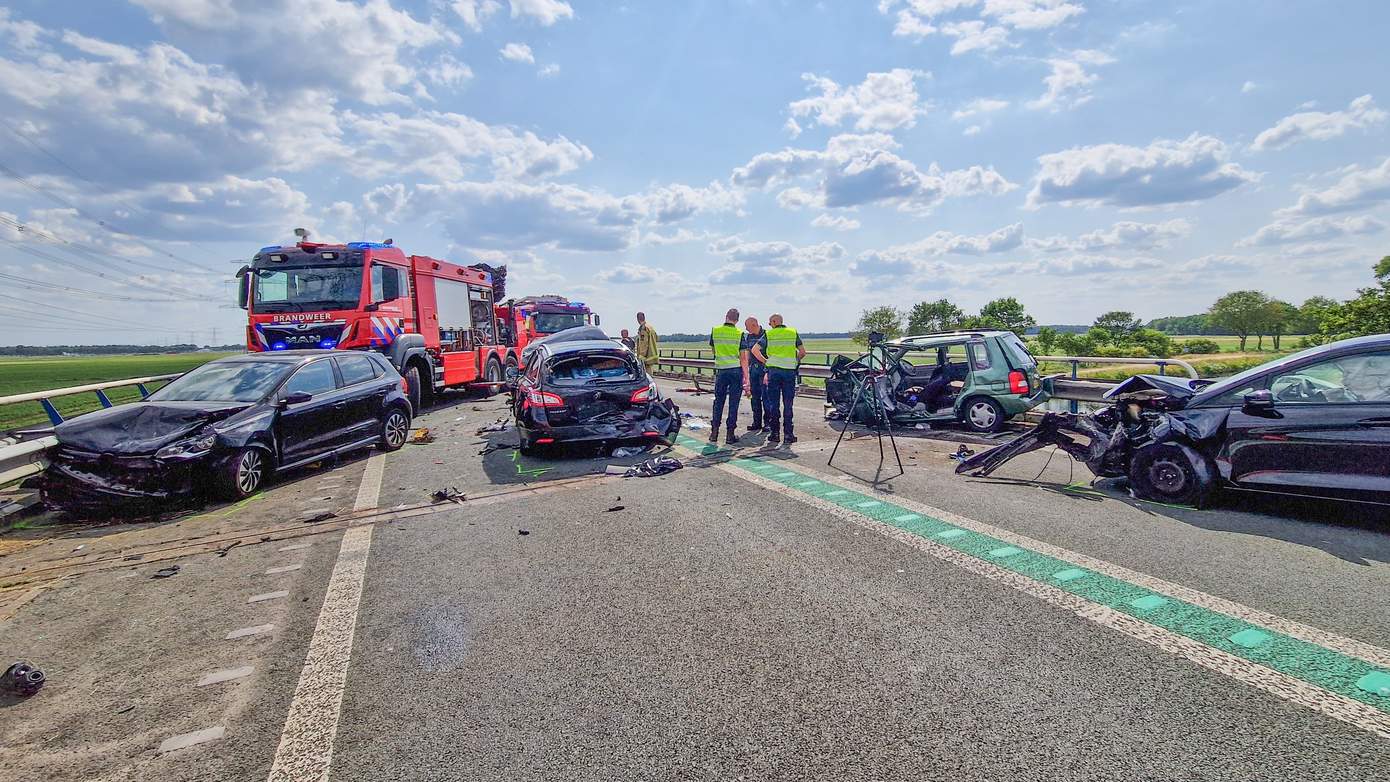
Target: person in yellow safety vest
[(783, 356), (730, 374)]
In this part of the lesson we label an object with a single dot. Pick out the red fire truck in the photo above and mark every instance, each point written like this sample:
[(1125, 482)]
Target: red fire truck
[(434, 320), (524, 320)]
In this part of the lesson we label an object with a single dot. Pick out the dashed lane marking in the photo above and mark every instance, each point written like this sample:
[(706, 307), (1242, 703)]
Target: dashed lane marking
[(247, 631), (185, 740), (276, 595), (282, 569), (217, 677), (1335, 676), (306, 744), (295, 547)]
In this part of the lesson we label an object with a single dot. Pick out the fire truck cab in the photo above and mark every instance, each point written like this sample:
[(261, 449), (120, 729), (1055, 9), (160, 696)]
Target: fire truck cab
[(434, 320), (529, 318)]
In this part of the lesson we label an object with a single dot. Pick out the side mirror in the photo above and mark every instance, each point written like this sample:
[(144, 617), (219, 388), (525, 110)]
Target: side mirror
[(1260, 403), (243, 292), (295, 398), (596, 320)]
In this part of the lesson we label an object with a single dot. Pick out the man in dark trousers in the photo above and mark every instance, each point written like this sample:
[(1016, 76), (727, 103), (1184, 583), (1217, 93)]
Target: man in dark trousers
[(756, 385), (730, 374), (782, 356)]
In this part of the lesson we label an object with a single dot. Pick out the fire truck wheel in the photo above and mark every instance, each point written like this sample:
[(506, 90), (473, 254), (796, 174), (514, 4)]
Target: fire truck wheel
[(494, 371), (512, 365), (414, 387)]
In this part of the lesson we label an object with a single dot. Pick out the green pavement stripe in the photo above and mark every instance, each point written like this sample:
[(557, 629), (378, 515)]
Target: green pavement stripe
[(1317, 665)]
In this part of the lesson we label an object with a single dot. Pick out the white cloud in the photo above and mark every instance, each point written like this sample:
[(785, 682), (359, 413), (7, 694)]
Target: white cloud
[(1320, 125), (226, 209), (546, 71), (979, 106), (985, 30), (1293, 230), (19, 34), (1068, 86), (441, 145), (640, 274), (973, 130), (475, 12), (518, 52), (797, 198), (974, 35), (1357, 189), (255, 41), (835, 222), (673, 203), (1124, 235), (854, 170), (448, 72), (1032, 14), (546, 12), (757, 263), (883, 101), (1008, 238), (1164, 172), (1248, 87)]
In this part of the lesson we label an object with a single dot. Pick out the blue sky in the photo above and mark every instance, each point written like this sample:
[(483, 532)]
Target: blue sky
[(681, 158)]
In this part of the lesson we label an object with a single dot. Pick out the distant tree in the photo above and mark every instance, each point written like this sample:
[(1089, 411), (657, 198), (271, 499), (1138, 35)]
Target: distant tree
[(1007, 313), (1243, 312), (1120, 324), (1311, 312), (1046, 340), (1368, 313), (885, 319), (1154, 342), (932, 316), (1280, 318)]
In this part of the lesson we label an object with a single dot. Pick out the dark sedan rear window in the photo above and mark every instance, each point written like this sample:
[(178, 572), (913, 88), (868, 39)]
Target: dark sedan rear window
[(591, 368)]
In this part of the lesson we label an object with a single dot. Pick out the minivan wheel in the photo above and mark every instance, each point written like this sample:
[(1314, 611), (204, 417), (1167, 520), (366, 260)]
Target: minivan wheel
[(243, 473), (1172, 473), (982, 414), (395, 428)]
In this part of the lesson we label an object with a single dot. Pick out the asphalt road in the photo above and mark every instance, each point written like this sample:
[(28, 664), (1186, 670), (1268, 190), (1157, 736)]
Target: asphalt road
[(755, 615)]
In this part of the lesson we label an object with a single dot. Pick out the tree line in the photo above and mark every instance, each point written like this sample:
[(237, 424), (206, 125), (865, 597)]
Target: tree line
[(1242, 314), (108, 350)]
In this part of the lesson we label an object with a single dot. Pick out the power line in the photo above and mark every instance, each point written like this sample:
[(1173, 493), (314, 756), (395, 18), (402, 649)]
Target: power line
[(163, 286), (79, 247), (44, 287)]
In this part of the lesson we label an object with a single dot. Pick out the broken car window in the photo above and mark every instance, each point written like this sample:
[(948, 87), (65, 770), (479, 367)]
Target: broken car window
[(591, 368), (1361, 378)]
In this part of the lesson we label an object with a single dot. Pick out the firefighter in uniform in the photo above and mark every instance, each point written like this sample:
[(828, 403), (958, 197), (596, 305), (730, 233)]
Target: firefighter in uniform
[(783, 356), (730, 374)]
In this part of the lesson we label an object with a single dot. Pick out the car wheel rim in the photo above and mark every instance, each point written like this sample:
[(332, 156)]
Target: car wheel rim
[(395, 430), (249, 470), (982, 415), (1167, 476)]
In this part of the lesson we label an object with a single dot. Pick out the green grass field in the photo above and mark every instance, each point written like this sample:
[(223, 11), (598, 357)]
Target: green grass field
[(21, 374)]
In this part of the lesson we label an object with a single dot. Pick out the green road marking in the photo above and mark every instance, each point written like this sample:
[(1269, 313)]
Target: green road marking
[(868, 504), (784, 475), (230, 508), (1005, 551), (1347, 676), (809, 483)]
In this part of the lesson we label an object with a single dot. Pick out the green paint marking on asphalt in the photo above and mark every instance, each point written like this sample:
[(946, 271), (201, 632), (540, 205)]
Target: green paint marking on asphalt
[(1148, 603), (785, 475), (1249, 639), (868, 504), (1347, 676), (1004, 551), (1070, 574), (809, 483), (1375, 682)]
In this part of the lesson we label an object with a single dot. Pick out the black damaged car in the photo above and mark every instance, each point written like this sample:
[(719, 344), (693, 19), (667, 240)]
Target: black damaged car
[(1316, 423), (579, 386), (224, 427)]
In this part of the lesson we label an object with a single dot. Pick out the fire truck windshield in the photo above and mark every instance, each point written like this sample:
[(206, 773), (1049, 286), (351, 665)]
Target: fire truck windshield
[(551, 322), (303, 288)]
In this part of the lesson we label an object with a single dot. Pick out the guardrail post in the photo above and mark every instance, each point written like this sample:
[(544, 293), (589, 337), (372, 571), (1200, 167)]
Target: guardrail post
[(54, 417), (1072, 404), (144, 392), (103, 398), (1162, 365)]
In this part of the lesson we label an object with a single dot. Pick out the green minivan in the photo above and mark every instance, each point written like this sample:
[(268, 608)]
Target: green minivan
[(977, 378)]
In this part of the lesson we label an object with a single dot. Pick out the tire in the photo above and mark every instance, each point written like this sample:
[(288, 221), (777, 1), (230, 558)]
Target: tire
[(982, 414), (1172, 473), (415, 387), (493, 372), (395, 429), (512, 364), (243, 473)]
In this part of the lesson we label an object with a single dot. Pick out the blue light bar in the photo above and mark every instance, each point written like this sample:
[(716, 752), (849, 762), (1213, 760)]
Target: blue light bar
[(576, 304), (328, 344), (368, 245), (278, 346), (270, 248)]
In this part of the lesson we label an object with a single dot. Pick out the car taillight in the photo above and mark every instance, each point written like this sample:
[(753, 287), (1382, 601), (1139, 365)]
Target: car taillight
[(1018, 382), (405, 385), (643, 394), (543, 399)]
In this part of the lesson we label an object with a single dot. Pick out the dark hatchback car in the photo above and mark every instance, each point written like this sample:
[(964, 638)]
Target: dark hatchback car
[(226, 426), (1315, 423), (582, 387)]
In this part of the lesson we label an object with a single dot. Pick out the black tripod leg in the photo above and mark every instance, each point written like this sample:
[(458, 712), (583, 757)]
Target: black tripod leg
[(848, 420)]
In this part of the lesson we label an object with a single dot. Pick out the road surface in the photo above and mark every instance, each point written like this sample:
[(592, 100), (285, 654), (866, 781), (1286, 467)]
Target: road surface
[(755, 615)]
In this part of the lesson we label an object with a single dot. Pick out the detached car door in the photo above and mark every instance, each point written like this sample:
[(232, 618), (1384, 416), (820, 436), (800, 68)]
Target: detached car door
[(1327, 433), (314, 427)]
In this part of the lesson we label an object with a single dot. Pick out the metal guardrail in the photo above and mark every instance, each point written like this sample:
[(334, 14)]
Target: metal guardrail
[(29, 457)]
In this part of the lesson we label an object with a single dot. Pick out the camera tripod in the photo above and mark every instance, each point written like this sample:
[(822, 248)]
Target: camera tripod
[(881, 421)]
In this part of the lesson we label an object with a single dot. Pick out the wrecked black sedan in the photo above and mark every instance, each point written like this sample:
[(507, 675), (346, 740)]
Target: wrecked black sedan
[(582, 387), (1315, 423), (224, 427)]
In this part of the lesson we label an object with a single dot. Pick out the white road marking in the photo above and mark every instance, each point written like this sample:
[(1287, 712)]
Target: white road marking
[(245, 631), (835, 493), (279, 593), (295, 547), (1280, 685), (282, 569), (1349, 646), (305, 753), (184, 740), (217, 677)]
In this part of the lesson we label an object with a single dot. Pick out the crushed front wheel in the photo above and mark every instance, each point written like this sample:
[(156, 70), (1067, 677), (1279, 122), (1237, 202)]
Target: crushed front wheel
[(1172, 473)]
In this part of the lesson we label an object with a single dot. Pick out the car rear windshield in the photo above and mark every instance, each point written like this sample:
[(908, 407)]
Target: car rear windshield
[(234, 381), (592, 368), (1020, 350)]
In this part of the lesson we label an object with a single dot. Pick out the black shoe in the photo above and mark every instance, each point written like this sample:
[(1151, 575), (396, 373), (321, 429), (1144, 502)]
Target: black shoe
[(789, 439), (773, 439), (714, 435), (731, 438), (755, 427)]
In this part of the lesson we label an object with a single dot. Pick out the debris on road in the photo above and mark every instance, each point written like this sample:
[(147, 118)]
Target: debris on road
[(654, 467), (421, 436), (448, 494), (23, 679), (166, 572), (493, 447), (632, 450), (523, 532), (500, 425), (222, 552), (693, 422), (321, 516), (616, 508), (962, 453)]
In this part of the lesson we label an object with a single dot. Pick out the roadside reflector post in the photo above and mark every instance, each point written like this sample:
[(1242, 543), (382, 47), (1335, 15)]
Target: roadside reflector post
[(144, 392), (103, 398), (1072, 404)]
